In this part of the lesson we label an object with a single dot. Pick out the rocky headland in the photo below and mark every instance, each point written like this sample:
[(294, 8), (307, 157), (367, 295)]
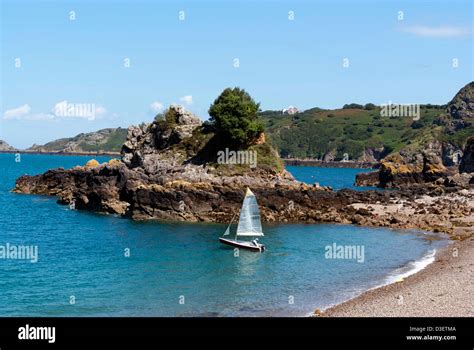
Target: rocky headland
[(443, 155)]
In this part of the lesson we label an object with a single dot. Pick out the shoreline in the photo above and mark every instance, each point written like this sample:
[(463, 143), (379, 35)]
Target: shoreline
[(331, 164), (442, 288)]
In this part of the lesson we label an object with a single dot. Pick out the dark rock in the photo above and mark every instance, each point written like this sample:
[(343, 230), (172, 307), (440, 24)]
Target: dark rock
[(367, 179), (467, 161)]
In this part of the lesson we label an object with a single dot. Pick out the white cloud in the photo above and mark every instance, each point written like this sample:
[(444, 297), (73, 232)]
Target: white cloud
[(61, 110), (156, 106), (17, 113), (436, 32), (188, 99)]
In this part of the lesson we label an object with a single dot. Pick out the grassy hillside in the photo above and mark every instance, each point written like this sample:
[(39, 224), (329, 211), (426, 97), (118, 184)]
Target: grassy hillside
[(113, 143), (105, 140), (315, 132)]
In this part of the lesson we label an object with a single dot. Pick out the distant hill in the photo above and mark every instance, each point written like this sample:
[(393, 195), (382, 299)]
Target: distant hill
[(106, 140), (365, 135), (328, 134), (5, 147), (438, 152)]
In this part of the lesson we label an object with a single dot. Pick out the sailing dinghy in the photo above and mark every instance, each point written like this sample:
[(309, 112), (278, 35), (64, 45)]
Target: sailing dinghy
[(249, 226)]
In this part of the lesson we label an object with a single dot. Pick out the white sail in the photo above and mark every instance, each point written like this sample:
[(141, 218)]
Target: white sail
[(249, 220), (227, 232)]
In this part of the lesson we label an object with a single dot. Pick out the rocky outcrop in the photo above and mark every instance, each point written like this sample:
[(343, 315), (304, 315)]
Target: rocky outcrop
[(371, 155), (5, 147), (402, 170), (460, 110), (159, 176), (150, 146), (330, 156), (117, 189), (370, 179), (434, 157), (460, 180), (450, 154), (467, 161)]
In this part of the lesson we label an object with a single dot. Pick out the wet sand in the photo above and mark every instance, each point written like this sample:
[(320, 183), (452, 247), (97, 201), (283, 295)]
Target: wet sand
[(444, 288)]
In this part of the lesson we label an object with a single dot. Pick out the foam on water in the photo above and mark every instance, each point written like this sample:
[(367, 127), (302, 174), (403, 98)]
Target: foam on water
[(412, 267)]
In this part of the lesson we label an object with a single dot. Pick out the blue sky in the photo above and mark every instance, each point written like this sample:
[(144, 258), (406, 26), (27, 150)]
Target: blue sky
[(282, 62)]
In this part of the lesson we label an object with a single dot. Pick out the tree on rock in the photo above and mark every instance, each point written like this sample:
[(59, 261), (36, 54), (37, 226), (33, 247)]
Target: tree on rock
[(235, 115)]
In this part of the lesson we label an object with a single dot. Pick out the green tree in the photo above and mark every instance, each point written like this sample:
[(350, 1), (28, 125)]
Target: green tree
[(235, 115), (369, 106), (352, 106)]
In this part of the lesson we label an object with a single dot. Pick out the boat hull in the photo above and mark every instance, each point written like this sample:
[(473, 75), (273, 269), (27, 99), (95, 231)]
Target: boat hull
[(243, 244)]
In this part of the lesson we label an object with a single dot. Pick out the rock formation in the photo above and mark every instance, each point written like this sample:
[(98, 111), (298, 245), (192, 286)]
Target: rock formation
[(467, 161), (166, 172), (460, 110), (435, 157)]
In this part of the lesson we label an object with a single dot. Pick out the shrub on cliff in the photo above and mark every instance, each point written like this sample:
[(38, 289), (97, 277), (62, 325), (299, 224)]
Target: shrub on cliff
[(234, 114)]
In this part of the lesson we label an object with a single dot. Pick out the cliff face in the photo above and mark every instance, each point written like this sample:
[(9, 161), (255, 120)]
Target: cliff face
[(467, 161)]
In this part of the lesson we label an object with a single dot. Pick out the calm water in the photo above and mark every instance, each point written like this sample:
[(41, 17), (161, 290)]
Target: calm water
[(337, 178), (81, 254)]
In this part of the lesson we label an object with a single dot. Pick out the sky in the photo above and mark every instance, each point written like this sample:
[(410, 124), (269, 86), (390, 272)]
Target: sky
[(125, 61)]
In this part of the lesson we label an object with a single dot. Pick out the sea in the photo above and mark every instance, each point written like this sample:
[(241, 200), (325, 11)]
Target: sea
[(89, 264)]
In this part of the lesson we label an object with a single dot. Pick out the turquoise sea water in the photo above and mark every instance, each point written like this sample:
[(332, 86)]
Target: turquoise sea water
[(337, 178), (180, 269)]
